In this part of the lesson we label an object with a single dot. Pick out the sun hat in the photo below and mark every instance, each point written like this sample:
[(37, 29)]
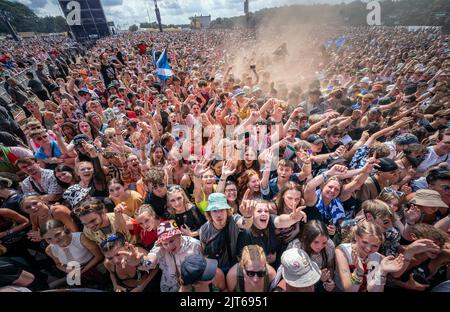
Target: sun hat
[(298, 269), (217, 201), (428, 198)]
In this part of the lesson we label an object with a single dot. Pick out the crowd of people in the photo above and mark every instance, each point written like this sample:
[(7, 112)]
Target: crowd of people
[(305, 168)]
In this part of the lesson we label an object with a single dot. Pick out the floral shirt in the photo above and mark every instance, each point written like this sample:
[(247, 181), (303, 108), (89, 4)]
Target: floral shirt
[(360, 158), (170, 264), (48, 185)]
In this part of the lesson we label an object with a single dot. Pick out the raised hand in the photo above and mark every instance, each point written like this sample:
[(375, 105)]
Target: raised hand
[(247, 206), (201, 167), (337, 170), (391, 264), (186, 230), (132, 256), (298, 214), (120, 208), (227, 168), (90, 149), (420, 246), (413, 214)]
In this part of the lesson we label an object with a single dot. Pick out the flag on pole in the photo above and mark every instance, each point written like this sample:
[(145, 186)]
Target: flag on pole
[(154, 57), (163, 69)]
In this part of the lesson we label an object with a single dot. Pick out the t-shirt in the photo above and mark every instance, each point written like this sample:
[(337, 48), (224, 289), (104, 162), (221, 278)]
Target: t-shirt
[(147, 238), (133, 202), (431, 159), (368, 190), (214, 244), (192, 218), (265, 238)]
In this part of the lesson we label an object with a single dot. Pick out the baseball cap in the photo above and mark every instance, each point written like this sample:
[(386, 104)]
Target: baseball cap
[(406, 139), (167, 229), (85, 90), (314, 139), (293, 126), (238, 92), (197, 268), (366, 80), (298, 269), (217, 201), (428, 198), (387, 165)]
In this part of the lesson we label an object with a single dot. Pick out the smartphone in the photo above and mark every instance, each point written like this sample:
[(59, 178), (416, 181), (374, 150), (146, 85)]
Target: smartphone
[(346, 139)]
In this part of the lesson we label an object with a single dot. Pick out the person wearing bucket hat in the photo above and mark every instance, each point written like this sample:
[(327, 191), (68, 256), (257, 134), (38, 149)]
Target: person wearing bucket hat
[(299, 273), (219, 235), (200, 274), (424, 207), (170, 251)]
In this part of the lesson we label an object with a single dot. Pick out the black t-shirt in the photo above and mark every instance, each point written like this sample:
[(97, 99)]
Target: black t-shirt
[(267, 239), (192, 218), (326, 150)]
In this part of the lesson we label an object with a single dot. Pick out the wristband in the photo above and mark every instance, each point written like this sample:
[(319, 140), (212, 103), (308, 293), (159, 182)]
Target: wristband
[(248, 217)]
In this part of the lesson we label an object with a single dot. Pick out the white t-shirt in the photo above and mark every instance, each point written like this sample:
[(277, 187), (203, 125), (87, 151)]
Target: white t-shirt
[(432, 159)]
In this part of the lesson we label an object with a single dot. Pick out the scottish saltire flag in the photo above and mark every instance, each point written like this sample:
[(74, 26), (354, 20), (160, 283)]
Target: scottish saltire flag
[(163, 69), (340, 41), (154, 57)]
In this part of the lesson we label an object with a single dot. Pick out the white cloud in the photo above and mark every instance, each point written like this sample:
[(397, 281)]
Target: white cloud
[(172, 11)]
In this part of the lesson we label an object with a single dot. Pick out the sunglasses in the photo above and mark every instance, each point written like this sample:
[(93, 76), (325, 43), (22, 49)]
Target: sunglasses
[(255, 273), (388, 190), (85, 210), (161, 185), (445, 188), (190, 162), (109, 239)]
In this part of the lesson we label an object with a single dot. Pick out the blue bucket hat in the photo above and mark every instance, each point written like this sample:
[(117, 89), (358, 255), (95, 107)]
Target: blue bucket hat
[(217, 201)]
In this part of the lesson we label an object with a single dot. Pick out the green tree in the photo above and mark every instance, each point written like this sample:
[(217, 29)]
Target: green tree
[(133, 28)]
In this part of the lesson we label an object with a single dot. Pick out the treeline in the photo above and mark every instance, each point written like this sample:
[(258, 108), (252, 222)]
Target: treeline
[(393, 12), (23, 19)]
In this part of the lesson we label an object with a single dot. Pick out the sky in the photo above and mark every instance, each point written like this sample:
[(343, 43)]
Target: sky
[(127, 12)]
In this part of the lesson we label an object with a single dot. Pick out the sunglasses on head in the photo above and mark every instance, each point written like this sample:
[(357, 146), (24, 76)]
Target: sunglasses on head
[(174, 188), (84, 210), (109, 239), (40, 138), (255, 273)]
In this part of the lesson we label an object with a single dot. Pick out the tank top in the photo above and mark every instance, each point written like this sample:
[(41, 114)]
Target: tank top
[(374, 260), (204, 203), (75, 251), (240, 285)]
